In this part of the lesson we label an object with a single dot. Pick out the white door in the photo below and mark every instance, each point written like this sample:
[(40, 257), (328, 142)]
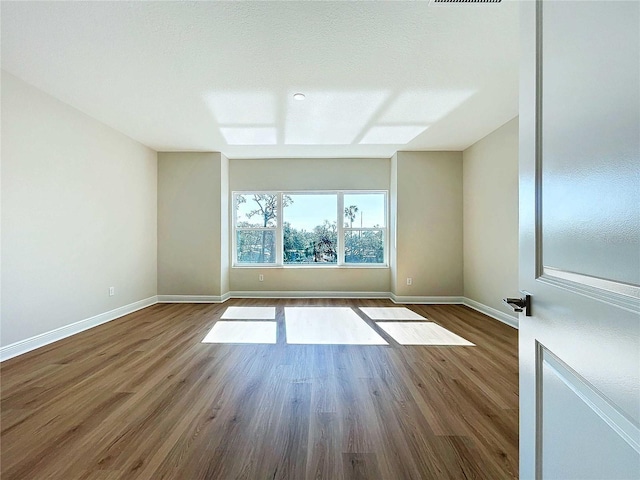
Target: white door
[(580, 240)]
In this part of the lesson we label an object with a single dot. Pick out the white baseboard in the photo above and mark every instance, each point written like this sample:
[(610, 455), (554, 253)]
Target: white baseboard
[(308, 294), (46, 338), (24, 346), (194, 298), (425, 300), (492, 312)]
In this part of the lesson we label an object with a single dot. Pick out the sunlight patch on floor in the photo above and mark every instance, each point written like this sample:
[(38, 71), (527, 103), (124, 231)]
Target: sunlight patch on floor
[(390, 313), (242, 332), (328, 326), (249, 313), (422, 333)]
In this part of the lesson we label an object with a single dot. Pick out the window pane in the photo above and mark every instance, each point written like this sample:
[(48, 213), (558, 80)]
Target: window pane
[(310, 228), (256, 246), (364, 210), (256, 210), (364, 246)]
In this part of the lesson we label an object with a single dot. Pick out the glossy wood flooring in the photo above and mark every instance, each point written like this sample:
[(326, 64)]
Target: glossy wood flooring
[(142, 397)]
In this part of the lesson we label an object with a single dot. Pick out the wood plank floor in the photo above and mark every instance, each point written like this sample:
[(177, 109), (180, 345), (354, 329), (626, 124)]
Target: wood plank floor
[(142, 398)]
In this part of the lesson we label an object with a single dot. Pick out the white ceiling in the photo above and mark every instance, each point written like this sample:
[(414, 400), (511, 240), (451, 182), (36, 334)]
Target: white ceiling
[(215, 76)]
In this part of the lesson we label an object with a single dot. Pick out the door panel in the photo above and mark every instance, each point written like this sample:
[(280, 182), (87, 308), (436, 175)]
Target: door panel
[(584, 434), (580, 240), (590, 138)]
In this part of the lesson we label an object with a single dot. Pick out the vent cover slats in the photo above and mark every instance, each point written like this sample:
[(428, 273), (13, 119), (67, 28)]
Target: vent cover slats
[(465, 1)]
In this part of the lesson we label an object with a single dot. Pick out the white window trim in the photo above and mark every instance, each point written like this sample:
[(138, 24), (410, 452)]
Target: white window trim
[(341, 229), (277, 230)]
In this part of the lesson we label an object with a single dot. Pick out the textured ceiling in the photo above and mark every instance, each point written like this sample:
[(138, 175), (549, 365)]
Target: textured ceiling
[(216, 76)]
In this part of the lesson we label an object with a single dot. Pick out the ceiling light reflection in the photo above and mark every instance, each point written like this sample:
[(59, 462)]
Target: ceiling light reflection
[(421, 106), (332, 118), (250, 135), (392, 134)]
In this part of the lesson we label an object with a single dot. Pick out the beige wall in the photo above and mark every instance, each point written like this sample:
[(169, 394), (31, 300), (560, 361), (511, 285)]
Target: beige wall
[(310, 174), (393, 224), (78, 215), (192, 195), (311, 279), (425, 186), (491, 218), (428, 223), (225, 225)]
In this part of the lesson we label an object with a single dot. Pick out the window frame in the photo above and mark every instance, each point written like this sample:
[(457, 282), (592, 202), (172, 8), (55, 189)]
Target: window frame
[(279, 229)]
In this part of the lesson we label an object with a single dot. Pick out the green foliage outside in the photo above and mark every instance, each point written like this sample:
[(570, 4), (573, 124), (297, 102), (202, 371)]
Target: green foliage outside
[(317, 246), (301, 246)]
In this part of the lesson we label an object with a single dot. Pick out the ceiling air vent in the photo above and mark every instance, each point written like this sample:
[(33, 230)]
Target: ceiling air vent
[(465, 1)]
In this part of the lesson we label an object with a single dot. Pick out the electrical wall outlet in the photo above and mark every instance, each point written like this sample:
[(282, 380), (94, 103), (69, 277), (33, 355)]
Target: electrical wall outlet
[(409, 281), (260, 277), (112, 291)]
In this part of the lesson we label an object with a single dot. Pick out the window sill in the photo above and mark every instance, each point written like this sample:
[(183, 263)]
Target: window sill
[(312, 267)]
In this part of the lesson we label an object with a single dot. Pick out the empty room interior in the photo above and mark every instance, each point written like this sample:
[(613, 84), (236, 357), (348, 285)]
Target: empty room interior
[(272, 240)]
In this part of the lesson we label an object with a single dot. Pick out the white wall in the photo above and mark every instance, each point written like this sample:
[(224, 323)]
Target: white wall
[(192, 223), (428, 224), (78, 215), (491, 218)]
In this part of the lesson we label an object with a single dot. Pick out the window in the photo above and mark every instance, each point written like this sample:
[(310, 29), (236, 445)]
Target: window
[(364, 231), (256, 228), (310, 232), (310, 228)]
